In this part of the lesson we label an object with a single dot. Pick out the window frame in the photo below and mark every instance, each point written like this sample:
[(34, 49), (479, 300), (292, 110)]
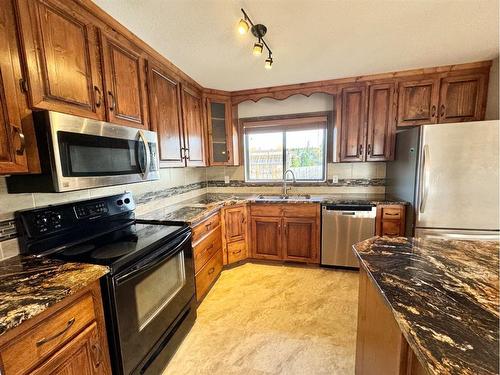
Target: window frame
[(284, 123)]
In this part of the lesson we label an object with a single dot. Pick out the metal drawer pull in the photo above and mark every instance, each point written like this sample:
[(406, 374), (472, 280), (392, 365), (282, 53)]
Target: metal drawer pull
[(22, 140), (389, 214), (211, 270), (47, 339), (209, 247), (208, 225), (237, 252)]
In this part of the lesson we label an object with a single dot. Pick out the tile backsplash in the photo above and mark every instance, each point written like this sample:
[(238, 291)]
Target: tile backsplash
[(179, 184)]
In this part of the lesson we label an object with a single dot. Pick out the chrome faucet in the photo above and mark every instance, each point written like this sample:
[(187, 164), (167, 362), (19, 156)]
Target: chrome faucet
[(285, 188)]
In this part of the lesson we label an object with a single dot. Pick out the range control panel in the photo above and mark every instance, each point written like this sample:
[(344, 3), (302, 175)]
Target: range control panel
[(53, 219)]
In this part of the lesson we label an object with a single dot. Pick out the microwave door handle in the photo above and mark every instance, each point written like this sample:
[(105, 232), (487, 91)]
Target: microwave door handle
[(144, 141), (152, 261)]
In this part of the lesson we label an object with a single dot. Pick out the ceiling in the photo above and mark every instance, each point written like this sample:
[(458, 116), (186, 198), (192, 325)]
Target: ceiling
[(311, 39)]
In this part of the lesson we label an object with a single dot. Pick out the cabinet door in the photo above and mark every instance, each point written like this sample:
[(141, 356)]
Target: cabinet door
[(266, 238), (300, 242), (351, 116), (462, 98), (418, 102), (124, 82), (193, 127), (82, 355), (235, 224), (165, 106), (61, 58), (12, 142), (381, 132), (219, 131)]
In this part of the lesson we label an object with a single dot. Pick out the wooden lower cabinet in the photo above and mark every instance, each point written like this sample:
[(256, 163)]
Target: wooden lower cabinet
[(380, 345), (390, 220), (300, 239), (266, 238), (68, 338), (291, 232), (207, 254), (235, 233)]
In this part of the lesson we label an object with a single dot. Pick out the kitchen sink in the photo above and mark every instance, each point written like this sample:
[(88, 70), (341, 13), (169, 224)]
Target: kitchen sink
[(284, 197)]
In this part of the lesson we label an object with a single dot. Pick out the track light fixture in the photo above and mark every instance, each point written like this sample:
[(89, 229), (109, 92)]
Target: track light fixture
[(258, 31)]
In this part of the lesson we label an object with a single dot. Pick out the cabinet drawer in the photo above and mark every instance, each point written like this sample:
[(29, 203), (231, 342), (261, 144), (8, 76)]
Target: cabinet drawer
[(208, 274), (391, 212), (301, 210), (391, 228), (267, 209), (202, 229), (206, 248), (236, 251), (50, 335)]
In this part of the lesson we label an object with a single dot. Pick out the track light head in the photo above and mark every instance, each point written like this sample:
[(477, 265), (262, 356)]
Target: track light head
[(243, 26), (269, 63), (257, 48)]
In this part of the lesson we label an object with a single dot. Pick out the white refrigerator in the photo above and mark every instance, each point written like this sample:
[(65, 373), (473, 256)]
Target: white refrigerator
[(450, 175)]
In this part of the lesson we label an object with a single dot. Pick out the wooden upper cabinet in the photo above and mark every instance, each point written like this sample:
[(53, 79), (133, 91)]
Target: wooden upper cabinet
[(193, 127), (266, 238), (13, 158), (300, 242), (462, 98), (351, 114), (220, 132), (381, 128), (124, 82), (165, 114), (235, 224), (418, 102), (62, 60)]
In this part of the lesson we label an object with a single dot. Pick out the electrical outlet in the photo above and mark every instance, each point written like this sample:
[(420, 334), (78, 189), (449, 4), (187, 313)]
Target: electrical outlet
[(226, 179), (335, 179)]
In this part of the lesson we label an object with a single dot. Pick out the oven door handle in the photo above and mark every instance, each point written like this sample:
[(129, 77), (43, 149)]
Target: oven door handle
[(143, 139), (153, 260)]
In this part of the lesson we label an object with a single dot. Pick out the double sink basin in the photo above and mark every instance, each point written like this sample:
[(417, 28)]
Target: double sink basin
[(297, 197)]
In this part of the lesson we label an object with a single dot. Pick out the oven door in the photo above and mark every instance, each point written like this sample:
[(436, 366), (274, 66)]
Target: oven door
[(149, 296), (88, 153)]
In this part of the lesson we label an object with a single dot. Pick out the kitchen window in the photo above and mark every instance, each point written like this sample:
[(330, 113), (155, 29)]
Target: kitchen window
[(274, 145)]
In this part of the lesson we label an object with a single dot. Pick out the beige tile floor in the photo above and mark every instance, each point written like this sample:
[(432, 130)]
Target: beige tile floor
[(266, 319)]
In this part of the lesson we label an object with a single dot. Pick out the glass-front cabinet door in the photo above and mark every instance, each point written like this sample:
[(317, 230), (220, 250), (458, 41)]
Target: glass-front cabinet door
[(219, 129)]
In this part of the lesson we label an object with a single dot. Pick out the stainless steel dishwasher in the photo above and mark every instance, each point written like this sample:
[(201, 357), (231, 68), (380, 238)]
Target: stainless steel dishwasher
[(343, 225)]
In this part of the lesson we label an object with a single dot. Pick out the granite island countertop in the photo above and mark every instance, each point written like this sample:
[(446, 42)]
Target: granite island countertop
[(196, 210), (30, 285), (444, 295)]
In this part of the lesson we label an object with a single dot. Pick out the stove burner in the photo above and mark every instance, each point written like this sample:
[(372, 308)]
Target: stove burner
[(79, 249), (113, 250)]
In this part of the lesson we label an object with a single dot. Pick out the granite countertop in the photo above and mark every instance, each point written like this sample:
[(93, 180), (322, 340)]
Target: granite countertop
[(198, 209), (30, 285), (444, 296)]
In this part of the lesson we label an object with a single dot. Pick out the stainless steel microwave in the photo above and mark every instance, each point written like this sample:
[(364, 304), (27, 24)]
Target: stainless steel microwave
[(79, 153)]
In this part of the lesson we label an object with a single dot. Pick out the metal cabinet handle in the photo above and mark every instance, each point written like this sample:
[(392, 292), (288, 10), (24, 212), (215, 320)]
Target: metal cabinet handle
[(211, 270), (113, 101), (209, 247), (442, 110), (98, 96), (369, 149), (433, 111), (47, 339), (97, 355), (286, 229), (360, 150), (22, 140), (227, 155), (207, 226), (424, 185), (186, 153), (390, 234)]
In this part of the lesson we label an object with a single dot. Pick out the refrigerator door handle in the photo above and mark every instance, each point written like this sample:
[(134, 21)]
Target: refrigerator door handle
[(425, 179)]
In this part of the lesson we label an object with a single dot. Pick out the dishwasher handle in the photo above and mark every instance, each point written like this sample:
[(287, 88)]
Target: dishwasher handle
[(365, 211)]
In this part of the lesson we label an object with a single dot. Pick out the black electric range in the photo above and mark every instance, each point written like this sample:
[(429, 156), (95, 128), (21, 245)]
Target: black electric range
[(149, 294)]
